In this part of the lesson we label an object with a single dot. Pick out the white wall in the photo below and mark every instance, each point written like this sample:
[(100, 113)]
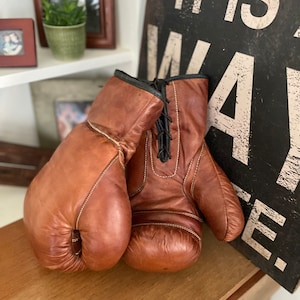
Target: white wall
[(17, 121), (282, 294)]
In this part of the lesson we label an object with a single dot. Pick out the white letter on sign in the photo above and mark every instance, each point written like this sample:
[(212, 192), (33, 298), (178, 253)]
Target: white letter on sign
[(260, 22), (171, 56), (230, 11), (254, 223), (289, 176), (297, 33), (152, 34), (240, 71), (198, 57), (196, 6)]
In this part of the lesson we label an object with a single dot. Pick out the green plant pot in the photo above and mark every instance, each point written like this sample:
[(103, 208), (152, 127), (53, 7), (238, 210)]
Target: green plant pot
[(66, 42)]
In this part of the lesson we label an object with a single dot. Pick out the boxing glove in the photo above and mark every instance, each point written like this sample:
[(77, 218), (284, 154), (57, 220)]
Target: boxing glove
[(174, 184), (77, 212)]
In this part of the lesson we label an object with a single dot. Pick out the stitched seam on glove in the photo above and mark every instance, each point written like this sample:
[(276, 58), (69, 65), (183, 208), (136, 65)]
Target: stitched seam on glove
[(224, 204), (169, 212), (139, 188), (92, 190), (121, 154), (171, 225), (103, 133), (196, 171), (192, 188)]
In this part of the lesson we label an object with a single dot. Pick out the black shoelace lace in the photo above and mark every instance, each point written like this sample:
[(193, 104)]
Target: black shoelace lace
[(163, 123)]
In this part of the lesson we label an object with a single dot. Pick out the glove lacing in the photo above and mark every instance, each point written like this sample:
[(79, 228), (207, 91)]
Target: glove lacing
[(163, 123)]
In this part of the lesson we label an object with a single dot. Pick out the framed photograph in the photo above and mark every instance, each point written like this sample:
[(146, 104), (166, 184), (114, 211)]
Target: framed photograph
[(69, 113), (17, 43), (60, 104), (100, 25)]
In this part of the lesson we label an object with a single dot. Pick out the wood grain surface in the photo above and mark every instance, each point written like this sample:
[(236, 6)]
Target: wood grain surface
[(220, 271)]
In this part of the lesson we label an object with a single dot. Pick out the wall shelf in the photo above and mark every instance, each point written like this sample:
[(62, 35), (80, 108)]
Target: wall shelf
[(48, 67)]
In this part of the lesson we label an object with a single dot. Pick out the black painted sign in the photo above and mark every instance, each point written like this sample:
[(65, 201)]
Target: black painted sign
[(251, 52)]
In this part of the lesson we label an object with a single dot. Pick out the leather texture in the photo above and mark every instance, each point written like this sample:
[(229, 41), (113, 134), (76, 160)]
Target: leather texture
[(171, 199), (77, 212)]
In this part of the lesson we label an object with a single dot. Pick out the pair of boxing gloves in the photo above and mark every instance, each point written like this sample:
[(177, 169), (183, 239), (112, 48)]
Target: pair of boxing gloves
[(135, 181)]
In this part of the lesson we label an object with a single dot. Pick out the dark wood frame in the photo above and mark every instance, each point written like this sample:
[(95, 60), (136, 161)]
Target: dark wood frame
[(105, 39), (19, 164), (28, 59)]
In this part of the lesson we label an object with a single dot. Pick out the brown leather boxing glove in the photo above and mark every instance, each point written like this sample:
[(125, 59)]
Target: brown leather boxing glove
[(77, 211), (173, 182)]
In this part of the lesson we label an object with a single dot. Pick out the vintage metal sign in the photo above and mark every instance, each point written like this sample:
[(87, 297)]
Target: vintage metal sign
[(251, 52)]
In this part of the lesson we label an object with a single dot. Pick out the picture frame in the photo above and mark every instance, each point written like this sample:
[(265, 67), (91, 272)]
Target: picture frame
[(17, 43), (100, 27), (69, 113), (47, 93)]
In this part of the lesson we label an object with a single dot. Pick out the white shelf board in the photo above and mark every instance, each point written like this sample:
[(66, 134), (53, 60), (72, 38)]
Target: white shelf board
[(48, 67)]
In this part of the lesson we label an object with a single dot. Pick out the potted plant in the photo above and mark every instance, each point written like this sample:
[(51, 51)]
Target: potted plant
[(64, 26)]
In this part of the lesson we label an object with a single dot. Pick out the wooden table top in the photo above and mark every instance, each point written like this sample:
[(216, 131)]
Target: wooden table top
[(218, 274)]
